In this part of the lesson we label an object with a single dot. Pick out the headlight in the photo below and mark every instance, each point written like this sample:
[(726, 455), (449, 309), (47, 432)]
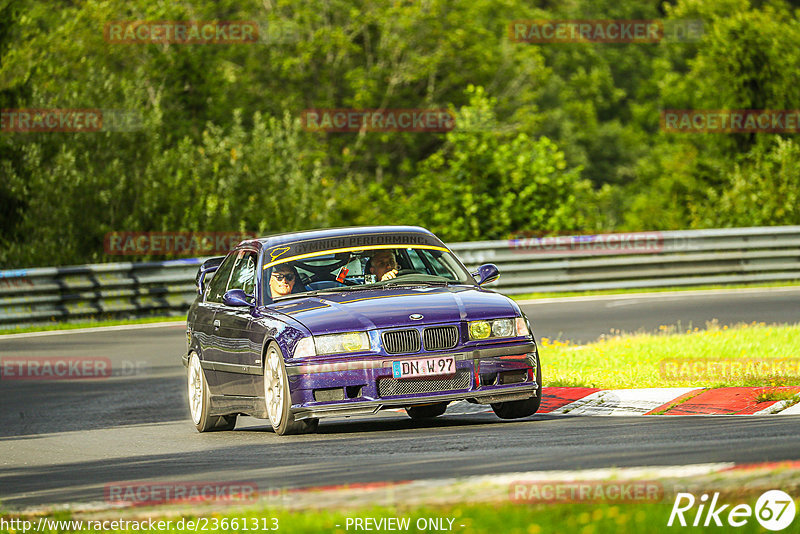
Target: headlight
[(347, 342), (305, 348), (503, 328), (496, 328)]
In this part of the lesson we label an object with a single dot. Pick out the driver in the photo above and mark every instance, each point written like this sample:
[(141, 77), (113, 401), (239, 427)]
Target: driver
[(282, 280), (383, 265)]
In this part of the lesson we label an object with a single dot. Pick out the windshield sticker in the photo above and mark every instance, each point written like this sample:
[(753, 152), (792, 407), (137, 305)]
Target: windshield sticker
[(277, 253), (363, 241), (351, 249)]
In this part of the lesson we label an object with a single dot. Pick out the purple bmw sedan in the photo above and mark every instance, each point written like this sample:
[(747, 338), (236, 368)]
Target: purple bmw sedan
[(350, 321)]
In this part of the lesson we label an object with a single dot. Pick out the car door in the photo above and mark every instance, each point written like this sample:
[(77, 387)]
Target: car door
[(239, 355), (206, 324)]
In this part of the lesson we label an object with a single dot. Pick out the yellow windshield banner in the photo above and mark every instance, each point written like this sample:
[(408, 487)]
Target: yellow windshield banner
[(277, 261)]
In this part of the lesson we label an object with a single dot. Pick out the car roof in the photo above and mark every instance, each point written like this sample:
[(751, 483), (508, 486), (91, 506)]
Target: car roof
[(327, 233)]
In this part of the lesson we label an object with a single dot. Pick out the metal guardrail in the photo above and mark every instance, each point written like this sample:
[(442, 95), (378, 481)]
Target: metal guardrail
[(49, 294), (564, 263)]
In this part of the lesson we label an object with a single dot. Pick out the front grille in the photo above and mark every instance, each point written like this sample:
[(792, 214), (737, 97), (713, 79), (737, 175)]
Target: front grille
[(401, 341), (440, 337), (388, 387)]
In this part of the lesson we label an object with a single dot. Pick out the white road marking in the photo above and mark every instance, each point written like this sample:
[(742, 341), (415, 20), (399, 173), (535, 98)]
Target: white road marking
[(792, 410), (622, 401)]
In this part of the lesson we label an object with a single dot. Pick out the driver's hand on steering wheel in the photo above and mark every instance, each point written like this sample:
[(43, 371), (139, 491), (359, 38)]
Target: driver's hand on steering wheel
[(389, 275)]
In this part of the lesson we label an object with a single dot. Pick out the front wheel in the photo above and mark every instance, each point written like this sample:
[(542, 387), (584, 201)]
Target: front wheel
[(524, 407), (278, 397), (200, 401)]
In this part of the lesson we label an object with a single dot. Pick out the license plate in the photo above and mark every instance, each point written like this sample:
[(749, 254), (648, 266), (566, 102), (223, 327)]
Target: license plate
[(443, 365)]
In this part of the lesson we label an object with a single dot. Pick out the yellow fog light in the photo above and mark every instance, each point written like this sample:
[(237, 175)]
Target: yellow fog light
[(338, 343), (480, 329), (354, 341)]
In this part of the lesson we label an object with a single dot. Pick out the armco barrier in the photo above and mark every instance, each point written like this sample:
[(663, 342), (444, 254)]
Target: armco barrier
[(566, 263), (32, 296), (676, 258)]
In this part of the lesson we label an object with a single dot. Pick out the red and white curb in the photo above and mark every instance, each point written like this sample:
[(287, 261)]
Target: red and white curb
[(654, 401)]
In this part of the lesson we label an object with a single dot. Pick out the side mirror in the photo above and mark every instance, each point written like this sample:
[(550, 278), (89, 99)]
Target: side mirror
[(236, 297), (488, 273), (209, 266)]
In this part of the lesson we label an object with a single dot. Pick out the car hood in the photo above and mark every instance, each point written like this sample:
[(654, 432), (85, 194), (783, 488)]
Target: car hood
[(391, 308)]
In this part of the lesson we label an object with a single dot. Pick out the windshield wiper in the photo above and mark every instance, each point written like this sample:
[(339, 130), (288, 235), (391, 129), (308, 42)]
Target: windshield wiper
[(347, 288), (297, 295), (406, 283), (362, 287)]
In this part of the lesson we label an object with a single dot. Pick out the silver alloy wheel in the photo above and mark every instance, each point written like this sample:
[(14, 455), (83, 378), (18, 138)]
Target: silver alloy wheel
[(196, 388), (273, 386)]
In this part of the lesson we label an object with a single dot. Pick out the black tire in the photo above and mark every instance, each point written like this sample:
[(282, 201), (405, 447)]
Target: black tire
[(277, 397), (200, 401), (428, 411), (524, 407)]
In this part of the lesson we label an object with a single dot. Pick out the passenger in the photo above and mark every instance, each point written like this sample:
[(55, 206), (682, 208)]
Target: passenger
[(383, 265), (282, 280)]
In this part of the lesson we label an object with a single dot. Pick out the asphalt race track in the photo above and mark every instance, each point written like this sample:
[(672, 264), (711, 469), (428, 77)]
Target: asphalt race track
[(62, 441)]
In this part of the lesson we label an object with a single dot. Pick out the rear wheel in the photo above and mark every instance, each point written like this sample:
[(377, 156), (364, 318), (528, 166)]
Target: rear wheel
[(428, 411), (278, 397), (525, 407), (200, 401)]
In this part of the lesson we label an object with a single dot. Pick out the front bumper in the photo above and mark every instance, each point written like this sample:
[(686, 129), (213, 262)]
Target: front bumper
[(486, 375)]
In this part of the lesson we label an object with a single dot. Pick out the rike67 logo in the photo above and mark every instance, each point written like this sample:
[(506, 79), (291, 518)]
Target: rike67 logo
[(774, 510)]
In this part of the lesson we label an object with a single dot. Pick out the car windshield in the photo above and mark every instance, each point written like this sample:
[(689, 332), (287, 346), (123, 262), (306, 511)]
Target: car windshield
[(370, 267)]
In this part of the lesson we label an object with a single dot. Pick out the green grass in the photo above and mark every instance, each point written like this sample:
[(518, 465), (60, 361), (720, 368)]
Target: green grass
[(634, 361), (561, 294), (91, 324), (582, 518), (774, 395)]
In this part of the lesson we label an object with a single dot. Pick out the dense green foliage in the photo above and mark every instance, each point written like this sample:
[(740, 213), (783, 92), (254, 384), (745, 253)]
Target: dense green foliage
[(549, 137)]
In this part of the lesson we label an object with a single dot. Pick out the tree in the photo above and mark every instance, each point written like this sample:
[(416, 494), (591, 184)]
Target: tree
[(484, 184)]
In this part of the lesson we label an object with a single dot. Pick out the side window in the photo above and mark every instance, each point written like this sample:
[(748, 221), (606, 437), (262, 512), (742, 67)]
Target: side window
[(216, 288), (244, 272)]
